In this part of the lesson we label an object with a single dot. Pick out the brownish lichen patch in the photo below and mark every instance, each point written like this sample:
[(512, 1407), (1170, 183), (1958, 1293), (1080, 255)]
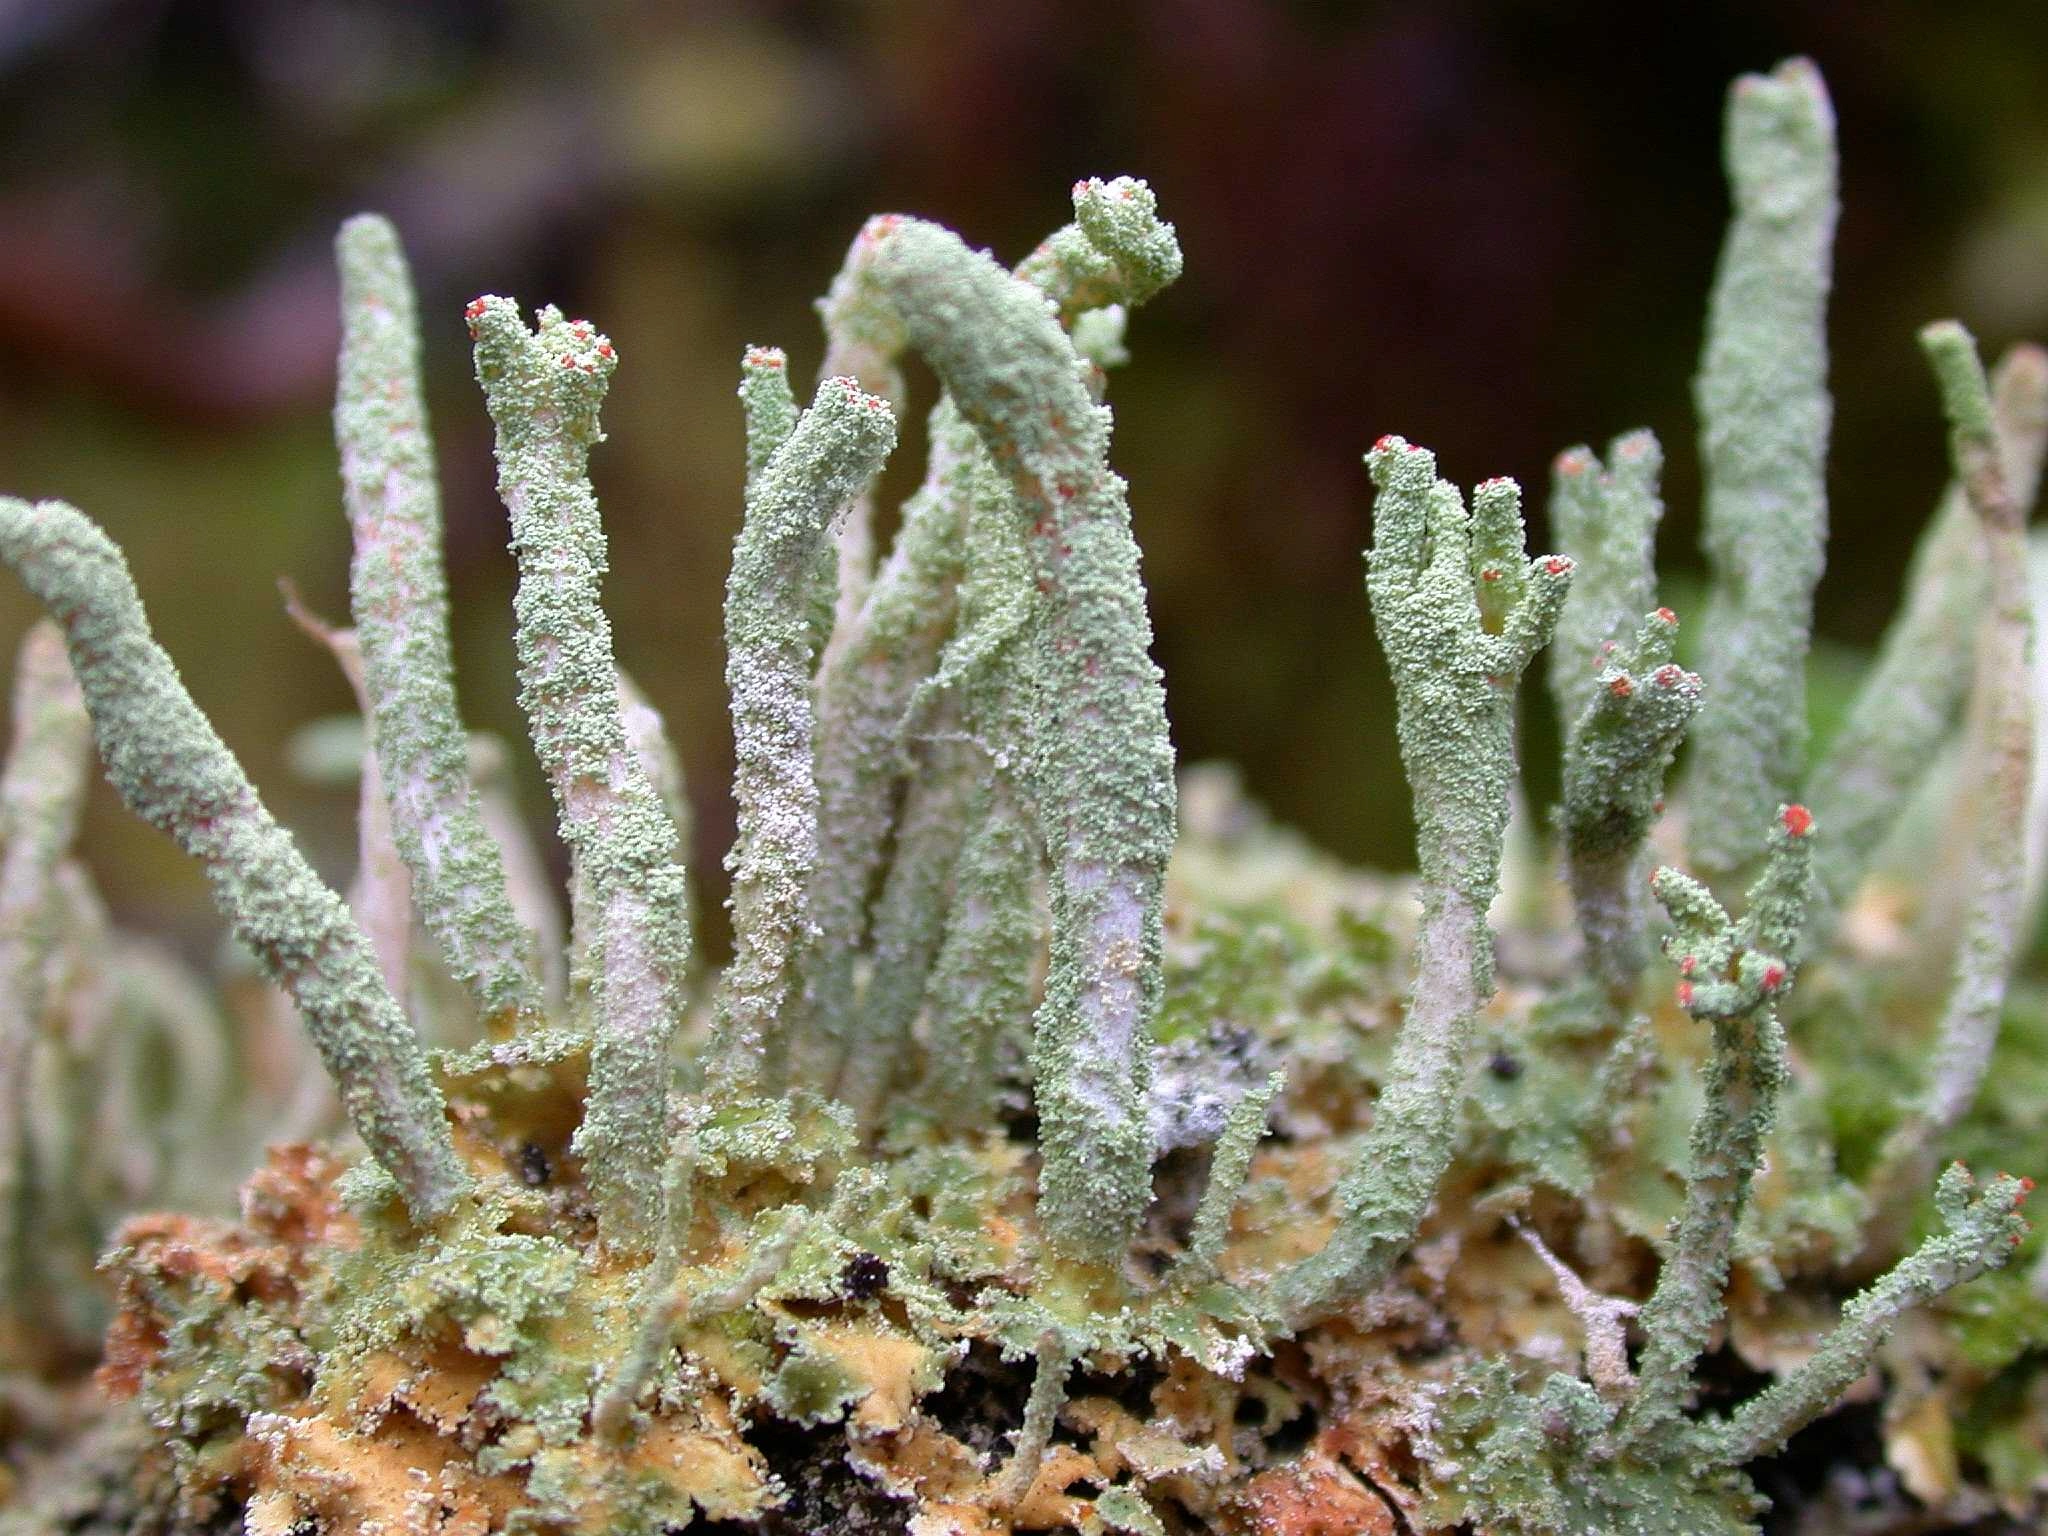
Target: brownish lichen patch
[(1312, 1497), (403, 1479), (291, 1199), (161, 1258), (1047, 1504)]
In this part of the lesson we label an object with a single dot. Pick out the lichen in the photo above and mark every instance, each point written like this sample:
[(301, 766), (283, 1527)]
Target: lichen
[(1064, 1147)]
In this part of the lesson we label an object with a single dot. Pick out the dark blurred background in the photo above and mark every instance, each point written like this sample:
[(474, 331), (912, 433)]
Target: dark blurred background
[(1490, 228)]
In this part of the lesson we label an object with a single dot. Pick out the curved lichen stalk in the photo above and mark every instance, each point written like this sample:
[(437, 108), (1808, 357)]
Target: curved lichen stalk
[(1764, 413), (543, 389), (1108, 805), (834, 449), (1115, 255), (174, 772), (1460, 612), (399, 596)]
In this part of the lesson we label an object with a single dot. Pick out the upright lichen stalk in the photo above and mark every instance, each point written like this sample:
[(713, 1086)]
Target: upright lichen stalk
[(833, 450), (41, 792), (1910, 701), (1626, 705), (1460, 612), (1732, 975), (544, 388), (1999, 760), (1764, 414)]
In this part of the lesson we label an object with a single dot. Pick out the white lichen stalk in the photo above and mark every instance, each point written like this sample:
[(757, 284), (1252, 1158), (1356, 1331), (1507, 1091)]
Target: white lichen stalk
[(399, 596), (833, 450), (42, 789)]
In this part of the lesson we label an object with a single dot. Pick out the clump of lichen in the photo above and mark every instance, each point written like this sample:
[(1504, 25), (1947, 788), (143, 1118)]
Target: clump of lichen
[(1064, 1148)]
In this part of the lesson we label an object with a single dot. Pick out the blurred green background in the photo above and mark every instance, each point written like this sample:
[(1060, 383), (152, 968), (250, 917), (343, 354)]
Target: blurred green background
[(1489, 227)]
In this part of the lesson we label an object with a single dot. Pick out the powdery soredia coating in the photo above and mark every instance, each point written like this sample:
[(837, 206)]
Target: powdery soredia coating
[(543, 389), (980, 994), (1912, 696), (1605, 518), (175, 772), (837, 447), (1764, 414), (980, 986), (1455, 667), (41, 792), (910, 917), (380, 896), (997, 346), (770, 409), (1117, 251), (399, 596)]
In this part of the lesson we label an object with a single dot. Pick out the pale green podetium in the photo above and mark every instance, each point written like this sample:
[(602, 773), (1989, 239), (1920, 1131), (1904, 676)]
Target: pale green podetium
[(1460, 613), (380, 896), (1605, 517), (865, 687), (176, 773), (1107, 765), (399, 595), (1625, 707), (979, 995), (769, 406), (910, 915), (41, 793), (1998, 767), (836, 447), (1910, 701), (1764, 410), (543, 389), (1980, 1227), (1617, 751), (1117, 253)]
